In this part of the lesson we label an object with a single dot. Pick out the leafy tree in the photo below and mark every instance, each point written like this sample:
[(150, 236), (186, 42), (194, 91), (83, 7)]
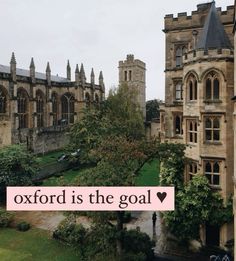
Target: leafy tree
[(152, 110), (17, 167)]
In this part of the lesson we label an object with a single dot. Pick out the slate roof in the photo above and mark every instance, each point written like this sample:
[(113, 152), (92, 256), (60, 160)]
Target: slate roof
[(213, 34), (26, 73)]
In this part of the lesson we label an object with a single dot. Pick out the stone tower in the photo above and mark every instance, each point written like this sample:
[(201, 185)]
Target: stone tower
[(133, 73)]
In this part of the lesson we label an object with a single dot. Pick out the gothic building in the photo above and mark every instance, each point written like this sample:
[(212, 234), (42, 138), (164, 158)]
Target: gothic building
[(36, 109), (198, 110), (133, 73)]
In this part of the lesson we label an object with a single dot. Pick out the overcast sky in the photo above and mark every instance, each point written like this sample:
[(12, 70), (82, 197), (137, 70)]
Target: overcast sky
[(98, 33)]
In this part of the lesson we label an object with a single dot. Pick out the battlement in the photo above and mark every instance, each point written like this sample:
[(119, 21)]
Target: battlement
[(183, 20), (130, 61), (195, 55)]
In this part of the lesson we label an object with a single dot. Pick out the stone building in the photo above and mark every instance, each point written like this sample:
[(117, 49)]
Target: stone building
[(133, 73), (36, 109), (199, 86)]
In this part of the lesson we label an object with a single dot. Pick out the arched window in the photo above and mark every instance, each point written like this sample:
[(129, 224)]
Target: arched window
[(96, 98), (3, 101), (87, 99), (54, 109), (192, 88), (68, 107), (212, 172), (192, 131), (22, 108), (212, 129), (212, 87), (178, 125), (178, 91), (39, 108), (192, 169)]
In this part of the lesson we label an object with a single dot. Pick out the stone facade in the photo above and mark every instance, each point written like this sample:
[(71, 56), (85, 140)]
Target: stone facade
[(199, 85), (133, 73), (37, 109)]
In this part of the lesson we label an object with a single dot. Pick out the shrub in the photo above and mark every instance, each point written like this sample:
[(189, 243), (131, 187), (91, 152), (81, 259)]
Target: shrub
[(23, 226), (5, 218)]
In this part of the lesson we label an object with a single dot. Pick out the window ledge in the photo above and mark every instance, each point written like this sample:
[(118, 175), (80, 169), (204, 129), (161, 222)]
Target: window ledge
[(178, 137), (192, 101), (191, 144), (213, 143), (215, 187), (212, 101), (178, 101)]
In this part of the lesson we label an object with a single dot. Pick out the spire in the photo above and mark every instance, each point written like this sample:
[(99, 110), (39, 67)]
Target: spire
[(101, 82), (48, 74), (82, 74), (32, 70), (77, 74), (92, 77), (68, 70), (13, 67), (213, 34)]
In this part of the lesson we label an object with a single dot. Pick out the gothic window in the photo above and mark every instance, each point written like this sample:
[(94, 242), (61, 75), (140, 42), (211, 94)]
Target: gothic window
[(96, 98), (192, 88), (178, 125), (39, 108), (212, 129), (192, 131), (212, 89), (54, 109), (3, 101), (68, 107), (130, 75), (126, 78), (178, 91), (22, 107), (87, 99), (179, 52), (192, 170), (212, 172)]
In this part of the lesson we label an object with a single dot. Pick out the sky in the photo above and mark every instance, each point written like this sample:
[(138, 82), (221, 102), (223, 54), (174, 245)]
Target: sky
[(97, 33)]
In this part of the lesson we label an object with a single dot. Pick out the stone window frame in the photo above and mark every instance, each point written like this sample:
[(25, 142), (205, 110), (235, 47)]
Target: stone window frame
[(55, 108), (192, 88), (22, 108), (40, 102), (68, 107), (192, 169), (3, 100), (212, 129), (180, 131), (180, 50), (212, 174), (192, 131), (212, 87)]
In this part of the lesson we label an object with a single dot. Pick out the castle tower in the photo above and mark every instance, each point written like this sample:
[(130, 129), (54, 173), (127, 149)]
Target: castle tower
[(133, 73)]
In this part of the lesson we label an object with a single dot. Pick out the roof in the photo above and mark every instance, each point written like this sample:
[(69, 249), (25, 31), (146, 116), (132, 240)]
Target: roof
[(213, 34), (26, 73)]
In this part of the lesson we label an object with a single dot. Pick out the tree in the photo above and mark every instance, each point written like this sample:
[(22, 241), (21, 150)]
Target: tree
[(152, 110), (17, 167), (114, 138)]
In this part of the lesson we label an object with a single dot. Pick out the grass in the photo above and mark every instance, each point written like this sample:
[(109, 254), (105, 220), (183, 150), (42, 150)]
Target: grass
[(48, 158), (149, 176), (33, 245)]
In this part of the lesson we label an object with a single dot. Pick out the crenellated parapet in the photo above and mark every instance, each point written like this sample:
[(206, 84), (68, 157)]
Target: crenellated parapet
[(200, 54), (196, 19)]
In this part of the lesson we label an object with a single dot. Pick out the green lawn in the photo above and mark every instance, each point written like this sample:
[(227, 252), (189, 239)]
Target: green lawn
[(149, 176), (48, 158), (33, 245)]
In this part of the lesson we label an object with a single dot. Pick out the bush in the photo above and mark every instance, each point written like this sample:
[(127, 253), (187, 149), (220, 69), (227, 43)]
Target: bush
[(23, 226), (5, 218)]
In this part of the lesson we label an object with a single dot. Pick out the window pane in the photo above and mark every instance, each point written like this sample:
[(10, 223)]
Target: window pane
[(216, 135), (216, 168), (177, 125), (190, 91), (209, 178), (195, 168), (216, 179), (191, 126), (195, 90), (191, 168), (216, 124), (208, 123), (216, 89), (208, 134), (208, 167), (191, 137), (195, 137), (208, 89)]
